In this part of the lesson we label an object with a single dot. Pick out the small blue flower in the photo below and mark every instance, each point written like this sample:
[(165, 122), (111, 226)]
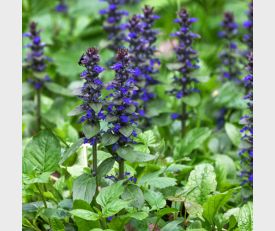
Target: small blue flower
[(98, 69), (175, 116)]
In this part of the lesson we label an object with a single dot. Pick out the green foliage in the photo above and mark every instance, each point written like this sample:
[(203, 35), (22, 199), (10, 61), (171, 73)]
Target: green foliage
[(84, 188)]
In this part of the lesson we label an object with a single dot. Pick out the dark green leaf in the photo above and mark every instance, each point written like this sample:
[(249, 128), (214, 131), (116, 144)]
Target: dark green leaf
[(126, 130), (134, 194), (109, 139), (105, 167), (134, 156), (84, 188), (96, 107), (91, 130), (71, 151)]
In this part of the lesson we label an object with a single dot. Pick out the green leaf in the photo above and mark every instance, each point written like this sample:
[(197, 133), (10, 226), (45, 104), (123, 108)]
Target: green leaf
[(78, 110), (126, 130), (161, 182), (109, 139), (84, 188), (57, 225), (165, 211), (214, 203), (192, 100), (193, 140), (193, 208), (225, 163), (90, 130), (85, 214), (110, 193), (58, 89), (133, 194), (113, 207), (155, 199), (71, 151), (42, 178), (42, 153), (137, 215), (55, 213), (96, 107), (105, 167), (173, 225), (245, 218), (132, 156), (233, 133), (201, 182)]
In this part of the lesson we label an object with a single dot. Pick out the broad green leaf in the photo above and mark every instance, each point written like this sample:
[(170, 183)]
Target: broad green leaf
[(105, 167), (245, 217), (174, 225), (71, 151), (193, 140), (214, 203), (110, 193), (40, 179), (58, 89), (133, 194), (162, 182), (134, 156), (155, 199), (225, 163), (137, 215), (57, 225), (109, 139), (42, 153), (84, 188), (201, 182), (91, 130), (192, 100), (193, 208), (56, 213), (126, 130), (113, 207), (233, 133), (77, 111), (85, 214)]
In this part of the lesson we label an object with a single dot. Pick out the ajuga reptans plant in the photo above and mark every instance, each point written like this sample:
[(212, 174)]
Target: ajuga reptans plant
[(36, 63), (248, 25), (141, 39), (230, 69), (246, 154), (113, 26), (92, 100), (121, 110), (184, 83)]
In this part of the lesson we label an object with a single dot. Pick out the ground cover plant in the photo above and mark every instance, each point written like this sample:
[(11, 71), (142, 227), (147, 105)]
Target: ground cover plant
[(137, 115)]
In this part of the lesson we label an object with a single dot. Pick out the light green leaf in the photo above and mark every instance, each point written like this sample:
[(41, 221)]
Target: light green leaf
[(91, 130), (245, 217), (42, 153), (137, 215), (173, 225), (71, 151), (40, 179), (109, 139), (165, 211), (214, 203), (84, 188), (192, 100), (155, 199), (78, 110), (133, 194), (85, 214), (201, 182), (113, 207), (58, 89), (162, 182), (110, 193), (134, 156), (233, 133)]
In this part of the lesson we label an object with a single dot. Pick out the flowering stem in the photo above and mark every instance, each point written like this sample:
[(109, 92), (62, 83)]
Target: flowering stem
[(121, 169), (94, 171), (183, 118), (38, 109)]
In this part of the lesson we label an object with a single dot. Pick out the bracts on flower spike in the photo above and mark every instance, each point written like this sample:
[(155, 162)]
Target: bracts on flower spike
[(36, 63), (246, 153), (121, 111), (92, 100), (230, 69), (185, 83), (113, 25)]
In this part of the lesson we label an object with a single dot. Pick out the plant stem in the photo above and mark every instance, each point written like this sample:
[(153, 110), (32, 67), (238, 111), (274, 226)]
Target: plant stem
[(38, 109), (183, 118), (94, 170), (121, 169), (41, 194), (103, 223)]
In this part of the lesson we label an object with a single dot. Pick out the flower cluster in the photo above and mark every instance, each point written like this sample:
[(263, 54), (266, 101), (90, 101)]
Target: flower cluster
[(184, 84), (91, 91), (113, 26), (121, 110), (248, 38), (36, 60), (246, 153), (61, 7), (126, 174), (230, 68)]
